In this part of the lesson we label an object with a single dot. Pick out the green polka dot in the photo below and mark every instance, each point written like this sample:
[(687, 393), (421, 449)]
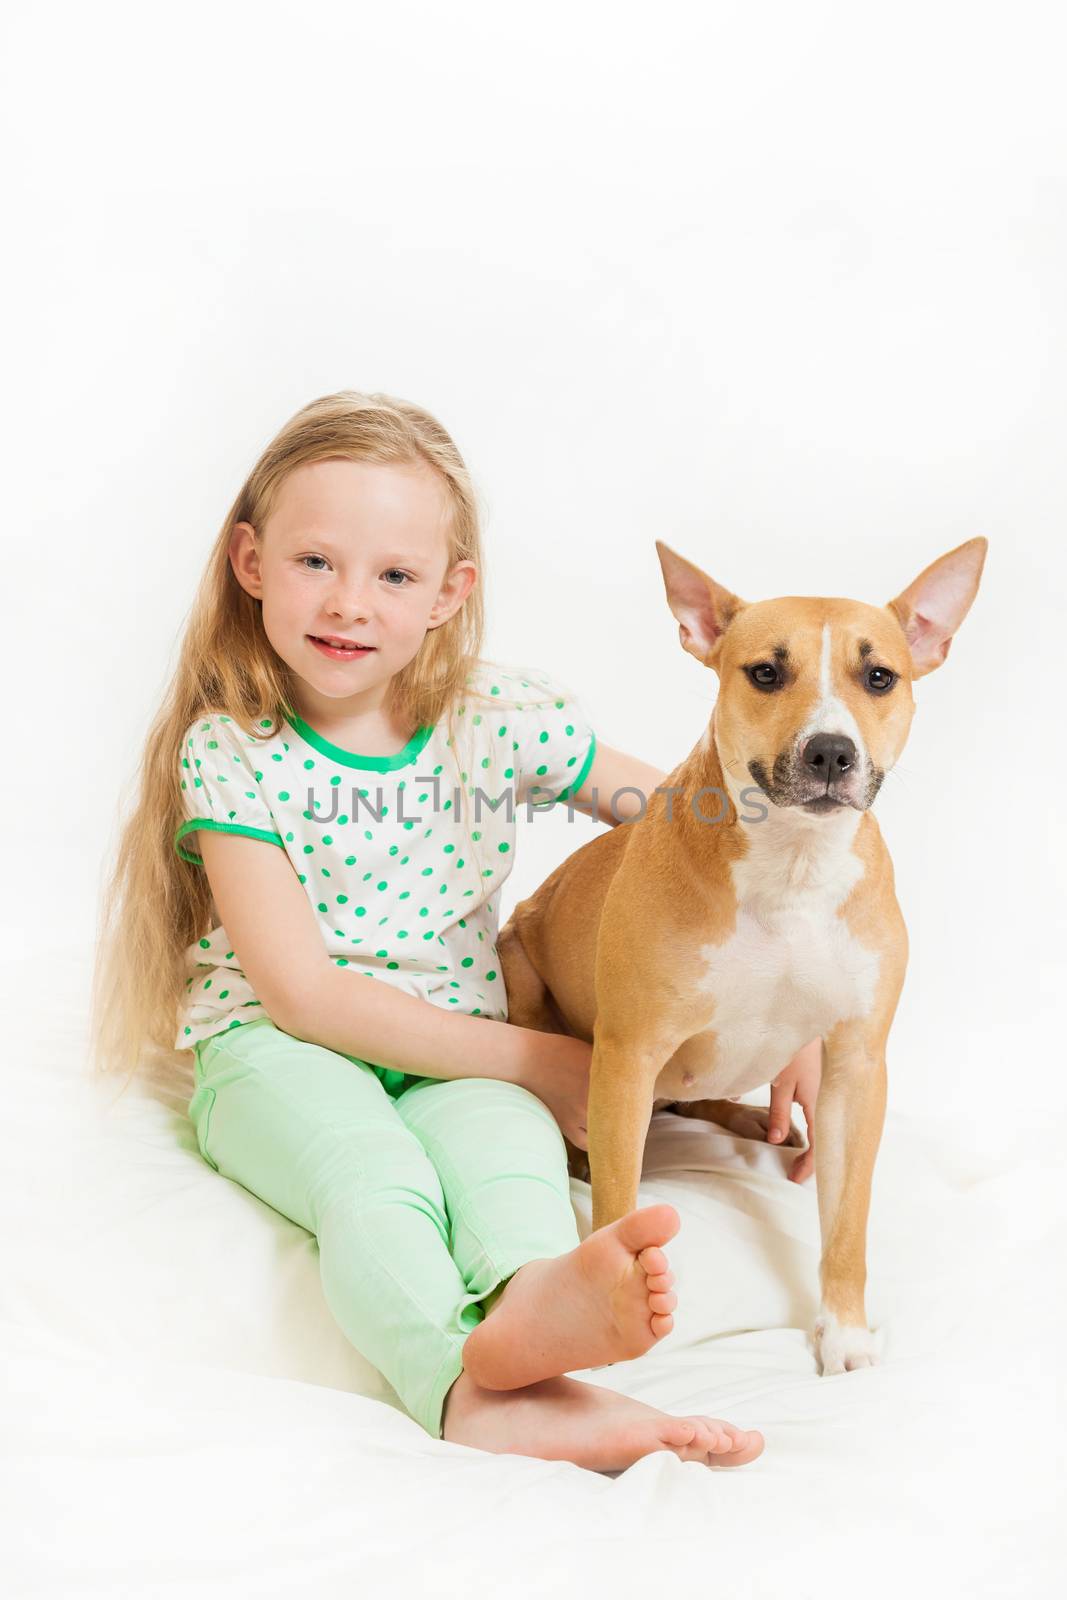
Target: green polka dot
[(468, 961), (503, 848)]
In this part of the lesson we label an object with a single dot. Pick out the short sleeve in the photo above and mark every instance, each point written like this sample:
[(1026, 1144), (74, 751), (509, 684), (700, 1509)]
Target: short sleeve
[(219, 788), (555, 739)]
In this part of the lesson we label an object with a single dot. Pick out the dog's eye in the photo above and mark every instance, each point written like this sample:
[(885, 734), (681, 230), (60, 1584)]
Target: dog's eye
[(765, 675), (879, 679)]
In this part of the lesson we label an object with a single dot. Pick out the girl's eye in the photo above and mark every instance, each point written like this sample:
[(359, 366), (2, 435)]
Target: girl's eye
[(391, 571)]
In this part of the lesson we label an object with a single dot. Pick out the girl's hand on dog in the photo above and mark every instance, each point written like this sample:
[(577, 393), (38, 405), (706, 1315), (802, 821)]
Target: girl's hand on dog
[(799, 1082)]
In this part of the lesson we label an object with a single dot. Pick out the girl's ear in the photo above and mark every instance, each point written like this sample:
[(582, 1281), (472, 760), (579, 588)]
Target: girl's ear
[(457, 584), (704, 609), (245, 558)]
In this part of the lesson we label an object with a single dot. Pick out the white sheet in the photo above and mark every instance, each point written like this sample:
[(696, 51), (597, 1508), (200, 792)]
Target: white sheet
[(182, 1415)]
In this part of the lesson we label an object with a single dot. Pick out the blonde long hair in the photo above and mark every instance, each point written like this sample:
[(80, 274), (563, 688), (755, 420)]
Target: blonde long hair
[(154, 905)]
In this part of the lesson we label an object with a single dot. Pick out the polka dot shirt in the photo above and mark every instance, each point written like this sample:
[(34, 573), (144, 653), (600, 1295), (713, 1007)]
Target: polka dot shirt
[(402, 856)]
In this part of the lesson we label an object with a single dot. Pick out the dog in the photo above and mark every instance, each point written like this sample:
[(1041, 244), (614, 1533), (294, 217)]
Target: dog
[(751, 907)]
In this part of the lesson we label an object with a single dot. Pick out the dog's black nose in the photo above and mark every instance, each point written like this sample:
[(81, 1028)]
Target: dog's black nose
[(832, 753)]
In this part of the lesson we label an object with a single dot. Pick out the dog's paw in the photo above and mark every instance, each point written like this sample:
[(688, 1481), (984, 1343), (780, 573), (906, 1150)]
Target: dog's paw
[(841, 1347)]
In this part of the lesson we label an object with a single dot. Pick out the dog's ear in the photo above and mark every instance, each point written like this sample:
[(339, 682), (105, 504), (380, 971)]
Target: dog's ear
[(704, 609), (931, 609)]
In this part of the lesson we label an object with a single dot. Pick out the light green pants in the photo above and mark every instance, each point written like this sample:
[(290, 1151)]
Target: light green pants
[(422, 1204)]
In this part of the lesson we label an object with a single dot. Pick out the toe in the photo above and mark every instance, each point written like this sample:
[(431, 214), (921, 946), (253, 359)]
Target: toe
[(662, 1302), (654, 1261), (752, 1447), (661, 1325), (658, 1282), (735, 1445), (677, 1431), (652, 1225)]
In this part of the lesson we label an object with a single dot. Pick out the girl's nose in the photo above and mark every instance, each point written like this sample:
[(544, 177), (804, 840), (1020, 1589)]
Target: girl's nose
[(349, 603)]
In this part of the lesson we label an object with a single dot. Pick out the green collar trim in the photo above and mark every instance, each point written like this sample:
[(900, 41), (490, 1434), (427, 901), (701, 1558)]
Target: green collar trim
[(348, 758)]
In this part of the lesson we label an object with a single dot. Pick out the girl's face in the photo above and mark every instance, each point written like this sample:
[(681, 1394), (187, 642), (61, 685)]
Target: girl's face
[(352, 550)]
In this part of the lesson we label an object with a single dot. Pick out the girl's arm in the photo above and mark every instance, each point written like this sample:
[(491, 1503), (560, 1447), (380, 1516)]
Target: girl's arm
[(613, 770), (272, 928)]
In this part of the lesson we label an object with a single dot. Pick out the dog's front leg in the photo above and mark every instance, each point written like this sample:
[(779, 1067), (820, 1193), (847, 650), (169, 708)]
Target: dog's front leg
[(849, 1115), (622, 1079)]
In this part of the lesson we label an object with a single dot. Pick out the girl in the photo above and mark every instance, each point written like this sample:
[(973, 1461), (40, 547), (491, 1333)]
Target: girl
[(308, 891)]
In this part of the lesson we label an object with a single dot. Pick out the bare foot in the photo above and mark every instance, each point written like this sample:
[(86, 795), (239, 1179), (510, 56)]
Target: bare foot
[(563, 1419), (608, 1300)]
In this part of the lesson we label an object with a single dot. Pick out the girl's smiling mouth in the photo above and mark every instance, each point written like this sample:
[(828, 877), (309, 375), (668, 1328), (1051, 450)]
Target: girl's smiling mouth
[(341, 652)]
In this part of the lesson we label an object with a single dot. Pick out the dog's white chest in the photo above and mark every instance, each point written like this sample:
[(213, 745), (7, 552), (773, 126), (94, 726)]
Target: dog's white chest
[(789, 970)]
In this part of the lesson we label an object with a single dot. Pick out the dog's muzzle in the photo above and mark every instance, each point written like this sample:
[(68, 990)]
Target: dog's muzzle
[(826, 774)]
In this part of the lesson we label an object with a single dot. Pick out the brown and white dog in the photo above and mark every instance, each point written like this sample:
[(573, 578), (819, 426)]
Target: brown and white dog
[(751, 907)]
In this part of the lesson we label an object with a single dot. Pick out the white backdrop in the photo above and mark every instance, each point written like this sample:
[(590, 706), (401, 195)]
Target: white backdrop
[(780, 284)]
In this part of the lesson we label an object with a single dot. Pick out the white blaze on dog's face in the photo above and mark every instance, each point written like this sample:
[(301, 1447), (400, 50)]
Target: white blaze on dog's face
[(815, 700)]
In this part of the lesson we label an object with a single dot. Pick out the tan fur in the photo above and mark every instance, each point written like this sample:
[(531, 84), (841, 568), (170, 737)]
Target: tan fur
[(697, 958)]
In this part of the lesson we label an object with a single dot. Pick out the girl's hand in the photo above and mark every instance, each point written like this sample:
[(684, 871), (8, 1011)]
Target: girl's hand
[(560, 1077), (798, 1081)]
